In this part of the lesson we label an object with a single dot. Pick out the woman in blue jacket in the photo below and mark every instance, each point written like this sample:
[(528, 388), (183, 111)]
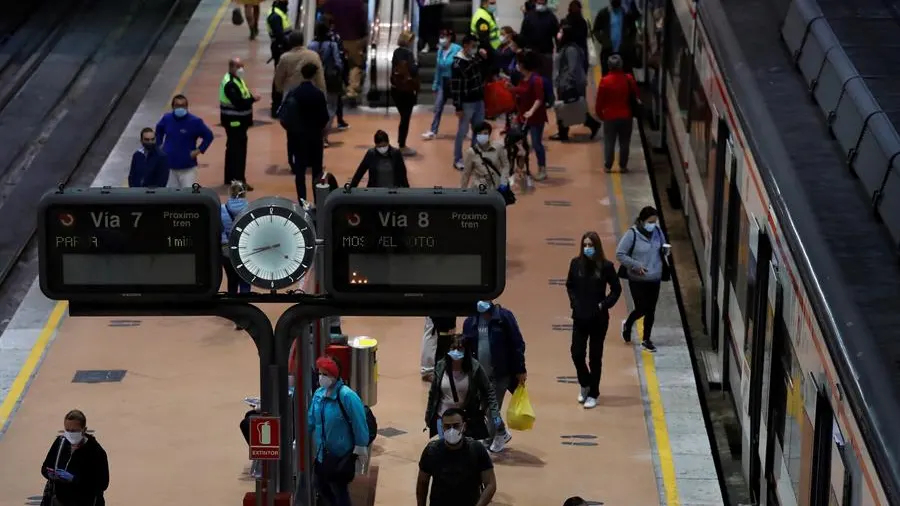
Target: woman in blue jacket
[(340, 433), (229, 212), (643, 251), (447, 49)]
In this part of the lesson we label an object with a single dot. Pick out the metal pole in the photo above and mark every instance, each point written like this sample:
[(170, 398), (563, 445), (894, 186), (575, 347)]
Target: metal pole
[(307, 361), (322, 190)]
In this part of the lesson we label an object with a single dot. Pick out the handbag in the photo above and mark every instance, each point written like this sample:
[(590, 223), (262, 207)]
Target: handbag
[(508, 196), (237, 17), (498, 99), (623, 270), (49, 489), (336, 468)]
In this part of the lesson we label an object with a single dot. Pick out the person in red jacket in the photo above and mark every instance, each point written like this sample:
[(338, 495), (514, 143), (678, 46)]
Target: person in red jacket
[(617, 96)]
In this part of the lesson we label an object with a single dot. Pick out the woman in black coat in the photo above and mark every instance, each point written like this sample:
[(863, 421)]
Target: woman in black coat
[(593, 288), (383, 164), (76, 466)]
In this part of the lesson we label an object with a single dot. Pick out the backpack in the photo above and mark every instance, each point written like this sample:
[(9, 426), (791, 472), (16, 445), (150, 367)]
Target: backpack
[(402, 79), (370, 419), (289, 112), (334, 81)]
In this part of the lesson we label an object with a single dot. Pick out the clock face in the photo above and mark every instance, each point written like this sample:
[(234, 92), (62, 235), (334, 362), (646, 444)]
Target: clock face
[(272, 246)]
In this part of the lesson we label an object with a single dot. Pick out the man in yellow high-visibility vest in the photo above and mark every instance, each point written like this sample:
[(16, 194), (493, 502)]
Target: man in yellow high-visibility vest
[(279, 27), (236, 111), (484, 25)]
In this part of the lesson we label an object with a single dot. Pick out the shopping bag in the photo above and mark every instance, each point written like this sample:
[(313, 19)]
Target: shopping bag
[(237, 17), (498, 99), (572, 112), (520, 414)]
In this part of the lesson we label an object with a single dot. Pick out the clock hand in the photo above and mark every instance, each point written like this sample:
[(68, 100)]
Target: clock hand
[(264, 248)]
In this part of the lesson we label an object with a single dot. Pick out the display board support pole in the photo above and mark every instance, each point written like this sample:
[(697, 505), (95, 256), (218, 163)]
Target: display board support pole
[(323, 325)]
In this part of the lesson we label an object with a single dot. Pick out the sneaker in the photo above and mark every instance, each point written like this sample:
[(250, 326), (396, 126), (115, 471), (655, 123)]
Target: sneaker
[(541, 174), (425, 48), (582, 395), (427, 136), (648, 345), (343, 125), (590, 403), (407, 151), (529, 183), (626, 332), (459, 165), (500, 441)]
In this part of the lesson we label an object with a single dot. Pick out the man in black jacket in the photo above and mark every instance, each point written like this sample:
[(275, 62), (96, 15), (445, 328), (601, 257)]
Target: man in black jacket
[(305, 146), (615, 28), (236, 111), (76, 466), (539, 29)]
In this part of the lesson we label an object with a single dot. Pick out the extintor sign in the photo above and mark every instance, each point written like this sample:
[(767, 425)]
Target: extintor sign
[(265, 441)]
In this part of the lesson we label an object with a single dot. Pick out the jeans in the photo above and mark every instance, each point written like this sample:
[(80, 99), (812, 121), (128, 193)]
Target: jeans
[(472, 114), (536, 132), (645, 295), (331, 100), (616, 130), (589, 332), (440, 99), (500, 386)]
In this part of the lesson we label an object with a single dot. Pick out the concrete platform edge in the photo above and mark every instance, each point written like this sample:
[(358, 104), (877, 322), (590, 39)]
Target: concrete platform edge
[(33, 316)]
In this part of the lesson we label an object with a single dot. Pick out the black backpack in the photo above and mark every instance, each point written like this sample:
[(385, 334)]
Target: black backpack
[(289, 112), (370, 419)]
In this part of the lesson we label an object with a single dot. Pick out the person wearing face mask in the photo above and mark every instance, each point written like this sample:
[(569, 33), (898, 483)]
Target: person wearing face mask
[(460, 382), (431, 13), (579, 28), (149, 164), (494, 338), (593, 289), (456, 468), (178, 134), (383, 164), (467, 78), (236, 111), (337, 421), (76, 466), (616, 105), (531, 100), (484, 25), (643, 253), (446, 51), (539, 29), (615, 28), (571, 82), (486, 162)]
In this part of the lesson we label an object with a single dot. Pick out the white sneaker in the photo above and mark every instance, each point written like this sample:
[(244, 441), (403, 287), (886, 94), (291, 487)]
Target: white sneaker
[(427, 136), (590, 403), (459, 165), (500, 441), (582, 395)]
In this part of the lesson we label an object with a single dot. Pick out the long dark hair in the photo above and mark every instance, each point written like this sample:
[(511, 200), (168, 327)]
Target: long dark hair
[(467, 357), (590, 265)]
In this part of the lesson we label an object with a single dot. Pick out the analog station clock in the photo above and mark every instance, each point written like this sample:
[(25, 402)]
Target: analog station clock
[(272, 243)]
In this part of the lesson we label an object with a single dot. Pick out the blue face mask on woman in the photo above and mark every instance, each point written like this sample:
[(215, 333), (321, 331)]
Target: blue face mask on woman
[(589, 251), (456, 354), (649, 227), (483, 306)]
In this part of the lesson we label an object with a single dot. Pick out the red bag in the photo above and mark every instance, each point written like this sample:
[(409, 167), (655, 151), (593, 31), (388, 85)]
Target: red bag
[(498, 99)]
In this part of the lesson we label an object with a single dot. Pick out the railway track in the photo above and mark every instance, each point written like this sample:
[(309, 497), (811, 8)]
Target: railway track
[(69, 82)]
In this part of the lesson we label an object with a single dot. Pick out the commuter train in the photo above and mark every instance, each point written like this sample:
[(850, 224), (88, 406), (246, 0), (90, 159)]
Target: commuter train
[(801, 443)]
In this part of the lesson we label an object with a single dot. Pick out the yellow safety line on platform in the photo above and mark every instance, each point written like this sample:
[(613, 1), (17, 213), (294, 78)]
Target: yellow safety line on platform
[(17, 390)]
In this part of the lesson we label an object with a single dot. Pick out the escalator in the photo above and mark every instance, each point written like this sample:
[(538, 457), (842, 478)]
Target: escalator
[(388, 18)]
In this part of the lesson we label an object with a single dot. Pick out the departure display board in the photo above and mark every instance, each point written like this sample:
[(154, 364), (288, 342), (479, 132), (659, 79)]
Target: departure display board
[(114, 243), (444, 244)]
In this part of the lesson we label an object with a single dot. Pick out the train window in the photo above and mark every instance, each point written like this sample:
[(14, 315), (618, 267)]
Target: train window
[(679, 65), (701, 123), (741, 278)]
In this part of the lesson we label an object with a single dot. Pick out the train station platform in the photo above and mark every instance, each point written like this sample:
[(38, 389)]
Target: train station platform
[(163, 395)]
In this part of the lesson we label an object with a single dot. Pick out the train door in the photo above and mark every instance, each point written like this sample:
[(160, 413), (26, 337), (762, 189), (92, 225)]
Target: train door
[(724, 154), (823, 435), (728, 258), (757, 328), (775, 419)]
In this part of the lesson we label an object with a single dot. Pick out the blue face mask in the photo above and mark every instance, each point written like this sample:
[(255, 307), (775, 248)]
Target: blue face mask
[(589, 252), (492, 8), (649, 227), (456, 354), (483, 306), (180, 112)]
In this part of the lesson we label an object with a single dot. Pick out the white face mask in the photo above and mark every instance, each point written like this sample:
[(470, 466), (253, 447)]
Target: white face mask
[(73, 437), (325, 381), (443, 41), (482, 139), (382, 149), (239, 72), (452, 436), (540, 7), (503, 39)]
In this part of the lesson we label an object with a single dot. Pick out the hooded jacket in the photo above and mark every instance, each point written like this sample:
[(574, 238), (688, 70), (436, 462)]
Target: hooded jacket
[(480, 397), (229, 212), (89, 467), (332, 431)]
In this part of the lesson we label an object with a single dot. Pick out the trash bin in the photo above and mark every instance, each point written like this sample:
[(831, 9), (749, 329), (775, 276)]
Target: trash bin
[(364, 368)]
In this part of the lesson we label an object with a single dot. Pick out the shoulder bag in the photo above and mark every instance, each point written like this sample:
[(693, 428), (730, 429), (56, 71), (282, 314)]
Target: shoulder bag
[(504, 190), (49, 489), (623, 270)]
